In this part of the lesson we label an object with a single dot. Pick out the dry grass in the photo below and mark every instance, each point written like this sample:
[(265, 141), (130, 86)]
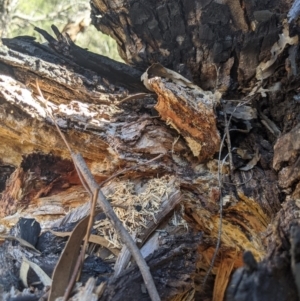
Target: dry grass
[(135, 205)]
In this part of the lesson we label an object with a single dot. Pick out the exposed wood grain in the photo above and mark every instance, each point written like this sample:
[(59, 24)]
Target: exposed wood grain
[(107, 116)]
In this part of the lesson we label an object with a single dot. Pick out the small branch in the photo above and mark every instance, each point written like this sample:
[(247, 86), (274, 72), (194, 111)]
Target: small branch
[(128, 169), (91, 220), (227, 124), (51, 16), (221, 218), (117, 224), (134, 96), (88, 232)]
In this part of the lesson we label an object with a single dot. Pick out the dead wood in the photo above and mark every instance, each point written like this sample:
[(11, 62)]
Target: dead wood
[(173, 261), (191, 37), (117, 224), (186, 108), (120, 127), (272, 279)]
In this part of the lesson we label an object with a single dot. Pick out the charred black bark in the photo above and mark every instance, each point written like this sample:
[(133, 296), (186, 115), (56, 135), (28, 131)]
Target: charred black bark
[(194, 37), (172, 267)]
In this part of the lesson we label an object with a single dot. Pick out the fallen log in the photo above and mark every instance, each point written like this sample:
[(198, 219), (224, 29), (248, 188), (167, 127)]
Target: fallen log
[(130, 139)]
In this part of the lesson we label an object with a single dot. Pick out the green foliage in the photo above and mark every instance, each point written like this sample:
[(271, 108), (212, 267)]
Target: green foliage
[(43, 14)]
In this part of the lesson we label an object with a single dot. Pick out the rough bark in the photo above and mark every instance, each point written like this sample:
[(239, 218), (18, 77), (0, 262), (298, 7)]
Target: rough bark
[(195, 37), (108, 115)]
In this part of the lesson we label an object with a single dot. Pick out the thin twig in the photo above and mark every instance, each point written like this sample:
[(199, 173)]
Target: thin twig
[(117, 224), (61, 135), (80, 260), (227, 124), (51, 16), (243, 183), (128, 169), (221, 218), (134, 96), (221, 197), (92, 213), (90, 224)]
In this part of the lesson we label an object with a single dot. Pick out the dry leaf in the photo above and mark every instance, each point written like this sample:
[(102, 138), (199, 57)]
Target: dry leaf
[(157, 69), (22, 242), (67, 261), (252, 162), (96, 239), (24, 271), (46, 280)]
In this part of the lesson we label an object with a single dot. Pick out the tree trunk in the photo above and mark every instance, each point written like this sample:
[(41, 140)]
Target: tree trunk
[(194, 37), (165, 142)]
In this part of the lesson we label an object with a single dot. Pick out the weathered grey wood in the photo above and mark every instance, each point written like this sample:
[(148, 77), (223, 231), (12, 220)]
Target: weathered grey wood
[(174, 261), (116, 131)]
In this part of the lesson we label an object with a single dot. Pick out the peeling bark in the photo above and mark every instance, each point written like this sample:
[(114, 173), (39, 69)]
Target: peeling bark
[(172, 132)]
